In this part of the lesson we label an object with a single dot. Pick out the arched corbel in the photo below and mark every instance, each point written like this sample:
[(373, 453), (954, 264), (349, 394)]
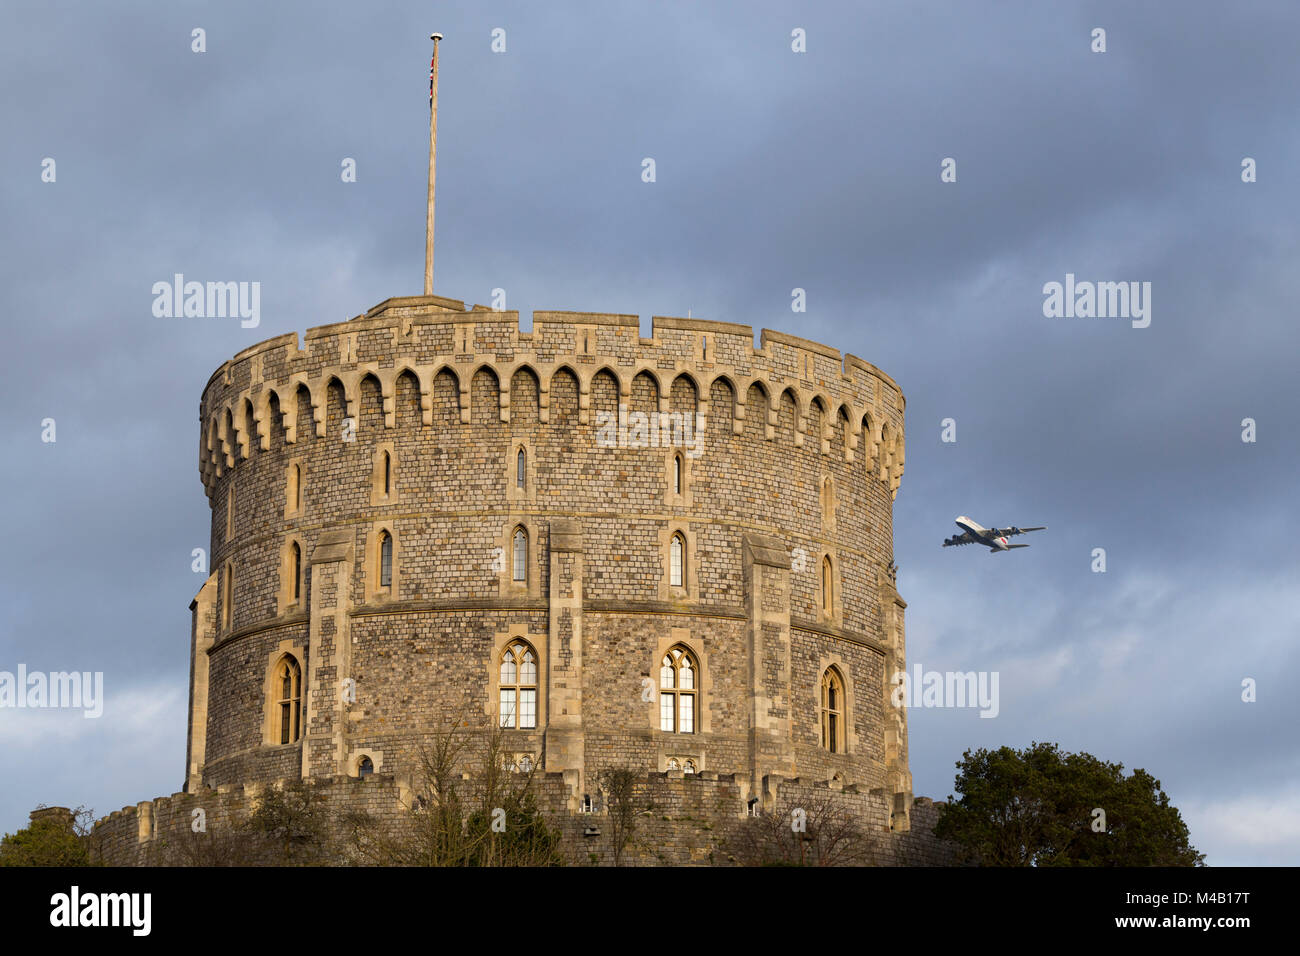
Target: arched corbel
[(544, 395), (262, 419), (351, 395), (503, 386), (387, 393), (426, 396), (224, 432), (289, 412), (584, 399), (245, 439)]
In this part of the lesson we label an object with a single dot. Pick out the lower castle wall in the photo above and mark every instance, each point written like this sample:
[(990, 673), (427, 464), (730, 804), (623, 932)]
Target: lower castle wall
[(693, 820)]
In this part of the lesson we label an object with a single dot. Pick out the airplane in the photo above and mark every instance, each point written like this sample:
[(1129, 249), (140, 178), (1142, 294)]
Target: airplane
[(995, 539)]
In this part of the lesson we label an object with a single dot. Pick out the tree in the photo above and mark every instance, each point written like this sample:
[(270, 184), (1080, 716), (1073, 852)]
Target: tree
[(293, 822), (625, 799), (1037, 807), (290, 825), (818, 830), (55, 837), (472, 807), (229, 846)]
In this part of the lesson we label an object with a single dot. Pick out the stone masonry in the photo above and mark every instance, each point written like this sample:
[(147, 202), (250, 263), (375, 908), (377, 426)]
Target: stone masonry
[(409, 423)]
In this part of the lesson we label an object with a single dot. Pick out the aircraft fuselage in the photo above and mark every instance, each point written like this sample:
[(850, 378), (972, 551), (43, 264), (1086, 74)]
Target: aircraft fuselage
[(982, 533)]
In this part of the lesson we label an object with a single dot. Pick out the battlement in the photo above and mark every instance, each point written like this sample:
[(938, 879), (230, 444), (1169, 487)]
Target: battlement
[(689, 821), (428, 336)]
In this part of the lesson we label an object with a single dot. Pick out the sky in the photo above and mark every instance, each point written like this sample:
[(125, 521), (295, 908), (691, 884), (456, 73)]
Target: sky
[(774, 170)]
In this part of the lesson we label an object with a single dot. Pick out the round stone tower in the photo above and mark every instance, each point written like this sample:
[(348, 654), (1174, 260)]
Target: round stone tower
[(667, 553)]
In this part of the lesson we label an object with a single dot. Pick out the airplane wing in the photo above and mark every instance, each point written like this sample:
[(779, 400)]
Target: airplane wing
[(959, 539), (1012, 531)]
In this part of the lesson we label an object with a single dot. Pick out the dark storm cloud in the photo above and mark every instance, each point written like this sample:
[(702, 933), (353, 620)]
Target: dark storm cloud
[(775, 171)]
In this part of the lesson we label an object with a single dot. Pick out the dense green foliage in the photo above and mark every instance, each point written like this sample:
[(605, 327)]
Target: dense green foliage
[(1038, 807)]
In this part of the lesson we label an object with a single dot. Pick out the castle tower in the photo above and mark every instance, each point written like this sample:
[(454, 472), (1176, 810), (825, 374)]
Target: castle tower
[(672, 553)]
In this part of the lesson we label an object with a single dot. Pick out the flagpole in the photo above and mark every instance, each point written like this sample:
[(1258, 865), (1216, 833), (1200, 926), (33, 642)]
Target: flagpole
[(433, 155)]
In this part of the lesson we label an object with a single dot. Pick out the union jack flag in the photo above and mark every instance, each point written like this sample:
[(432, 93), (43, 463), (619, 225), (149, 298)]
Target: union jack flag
[(432, 60)]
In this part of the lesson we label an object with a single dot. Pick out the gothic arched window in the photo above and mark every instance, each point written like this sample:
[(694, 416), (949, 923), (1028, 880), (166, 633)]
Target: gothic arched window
[(828, 587), (677, 561), (832, 711), (518, 687), (678, 690), (288, 690), (385, 559), (519, 562), (295, 568)]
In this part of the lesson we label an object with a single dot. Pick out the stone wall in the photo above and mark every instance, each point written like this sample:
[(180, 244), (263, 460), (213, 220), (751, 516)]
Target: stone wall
[(406, 423), (694, 820)]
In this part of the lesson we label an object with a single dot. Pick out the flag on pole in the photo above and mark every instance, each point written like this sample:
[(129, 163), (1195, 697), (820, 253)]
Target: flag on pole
[(432, 60)]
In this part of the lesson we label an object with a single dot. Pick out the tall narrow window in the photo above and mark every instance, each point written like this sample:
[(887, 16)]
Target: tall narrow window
[(832, 711), (385, 559), (288, 683), (677, 561), (295, 487), (521, 469), (228, 585), (517, 706), (383, 474), (520, 562), (677, 691), (677, 474), (295, 567), (828, 587), (230, 512)]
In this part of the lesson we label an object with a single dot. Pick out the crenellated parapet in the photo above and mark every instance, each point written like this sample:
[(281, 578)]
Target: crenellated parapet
[(698, 819), (425, 337)]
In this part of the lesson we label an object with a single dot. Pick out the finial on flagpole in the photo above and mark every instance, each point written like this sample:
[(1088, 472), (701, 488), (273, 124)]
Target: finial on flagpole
[(433, 155)]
